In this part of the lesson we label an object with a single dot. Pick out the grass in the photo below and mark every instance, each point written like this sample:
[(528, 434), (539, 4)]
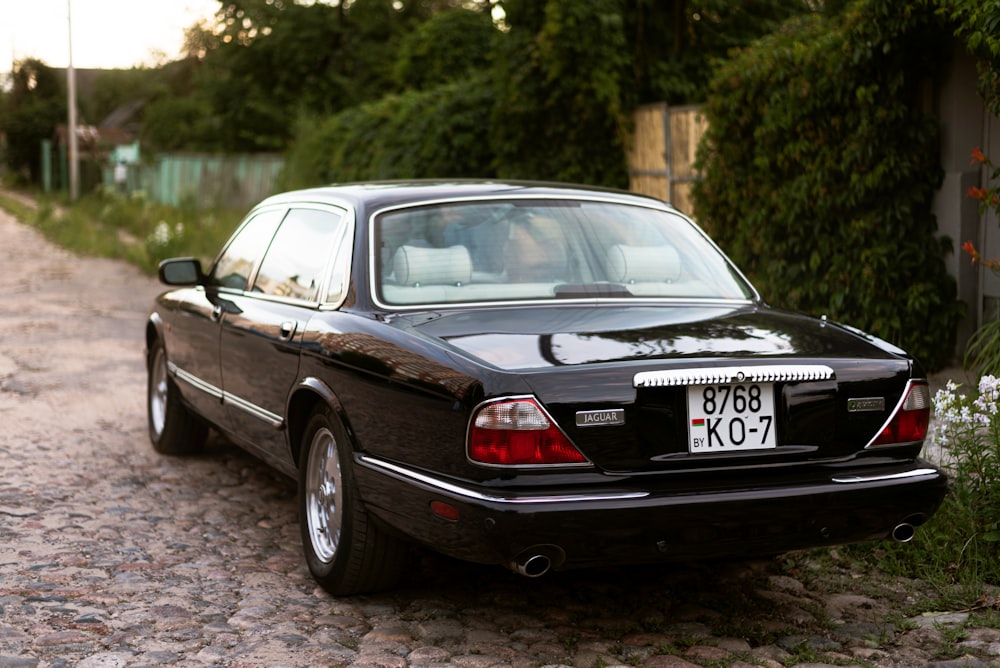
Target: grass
[(16, 207), (130, 228)]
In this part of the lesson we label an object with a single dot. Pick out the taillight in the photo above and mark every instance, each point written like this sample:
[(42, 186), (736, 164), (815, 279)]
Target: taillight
[(910, 420), (517, 432)]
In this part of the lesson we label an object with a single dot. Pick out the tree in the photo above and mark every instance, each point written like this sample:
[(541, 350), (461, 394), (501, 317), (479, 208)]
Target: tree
[(34, 107), (264, 63), (676, 45), (559, 112), (449, 46)]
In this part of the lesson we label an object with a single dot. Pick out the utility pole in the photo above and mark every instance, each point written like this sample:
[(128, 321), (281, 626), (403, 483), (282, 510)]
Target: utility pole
[(74, 158)]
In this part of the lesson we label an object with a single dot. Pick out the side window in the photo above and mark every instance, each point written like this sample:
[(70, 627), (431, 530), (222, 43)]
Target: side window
[(234, 266), (294, 263), (339, 277)]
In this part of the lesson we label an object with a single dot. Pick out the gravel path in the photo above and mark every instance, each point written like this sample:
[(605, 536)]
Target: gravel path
[(113, 556)]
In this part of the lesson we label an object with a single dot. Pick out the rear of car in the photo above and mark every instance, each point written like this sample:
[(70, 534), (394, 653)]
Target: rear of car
[(638, 401)]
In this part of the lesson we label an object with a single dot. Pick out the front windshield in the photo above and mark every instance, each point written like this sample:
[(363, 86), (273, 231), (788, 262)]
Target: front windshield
[(544, 249)]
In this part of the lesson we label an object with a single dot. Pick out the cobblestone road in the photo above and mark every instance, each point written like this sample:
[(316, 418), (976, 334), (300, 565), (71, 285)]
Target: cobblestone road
[(113, 556)]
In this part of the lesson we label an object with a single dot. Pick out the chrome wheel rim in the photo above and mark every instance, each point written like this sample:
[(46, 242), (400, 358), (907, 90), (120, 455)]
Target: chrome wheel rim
[(158, 393), (324, 495)]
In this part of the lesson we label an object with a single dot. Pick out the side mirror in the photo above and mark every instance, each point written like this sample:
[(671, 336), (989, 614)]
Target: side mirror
[(181, 271)]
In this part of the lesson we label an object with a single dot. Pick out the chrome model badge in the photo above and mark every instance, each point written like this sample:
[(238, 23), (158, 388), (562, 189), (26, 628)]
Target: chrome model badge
[(607, 418), (866, 404)]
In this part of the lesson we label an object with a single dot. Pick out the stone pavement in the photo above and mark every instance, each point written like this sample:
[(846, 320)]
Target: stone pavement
[(111, 555)]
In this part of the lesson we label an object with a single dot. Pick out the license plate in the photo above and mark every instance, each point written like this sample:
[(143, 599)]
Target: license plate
[(731, 417)]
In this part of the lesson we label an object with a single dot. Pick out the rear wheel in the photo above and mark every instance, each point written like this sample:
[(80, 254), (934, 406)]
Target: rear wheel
[(173, 428), (346, 551)]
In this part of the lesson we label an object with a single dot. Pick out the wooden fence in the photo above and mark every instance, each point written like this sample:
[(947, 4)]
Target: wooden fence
[(662, 154)]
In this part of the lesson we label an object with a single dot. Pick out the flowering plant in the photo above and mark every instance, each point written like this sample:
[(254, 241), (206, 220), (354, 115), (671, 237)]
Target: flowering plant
[(983, 349), (966, 438), (987, 197)]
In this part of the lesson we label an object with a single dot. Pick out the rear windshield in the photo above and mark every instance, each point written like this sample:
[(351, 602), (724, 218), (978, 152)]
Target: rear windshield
[(530, 250)]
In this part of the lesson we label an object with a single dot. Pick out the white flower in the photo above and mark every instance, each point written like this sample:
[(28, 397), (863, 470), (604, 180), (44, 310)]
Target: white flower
[(161, 234)]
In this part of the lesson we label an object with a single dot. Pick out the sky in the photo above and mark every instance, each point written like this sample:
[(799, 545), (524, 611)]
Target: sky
[(106, 33)]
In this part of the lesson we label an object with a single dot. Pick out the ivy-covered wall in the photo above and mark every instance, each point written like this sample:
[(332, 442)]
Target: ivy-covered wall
[(820, 165)]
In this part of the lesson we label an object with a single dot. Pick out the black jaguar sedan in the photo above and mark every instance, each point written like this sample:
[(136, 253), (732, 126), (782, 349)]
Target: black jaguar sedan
[(535, 375)]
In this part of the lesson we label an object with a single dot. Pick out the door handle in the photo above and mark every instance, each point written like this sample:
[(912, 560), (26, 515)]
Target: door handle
[(287, 330)]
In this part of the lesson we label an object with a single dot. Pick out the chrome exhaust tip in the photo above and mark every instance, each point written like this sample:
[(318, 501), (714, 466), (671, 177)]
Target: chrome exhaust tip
[(903, 532), (534, 566), (538, 560)]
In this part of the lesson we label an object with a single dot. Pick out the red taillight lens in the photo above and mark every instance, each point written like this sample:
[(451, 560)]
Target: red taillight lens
[(517, 432), (909, 422)]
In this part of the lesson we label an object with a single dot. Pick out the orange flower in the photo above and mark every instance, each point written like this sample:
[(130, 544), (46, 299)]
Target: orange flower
[(977, 156), (993, 265), (977, 193)]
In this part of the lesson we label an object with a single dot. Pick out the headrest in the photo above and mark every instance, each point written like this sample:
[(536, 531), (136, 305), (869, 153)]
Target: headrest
[(642, 264), (415, 265)]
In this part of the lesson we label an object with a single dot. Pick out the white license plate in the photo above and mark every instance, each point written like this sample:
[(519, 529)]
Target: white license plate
[(731, 417)]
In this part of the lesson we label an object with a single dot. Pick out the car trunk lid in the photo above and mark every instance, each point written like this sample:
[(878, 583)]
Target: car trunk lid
[(636, 388)]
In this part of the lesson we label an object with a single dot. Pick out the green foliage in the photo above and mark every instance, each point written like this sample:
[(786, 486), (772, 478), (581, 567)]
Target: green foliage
[(676, 45), (549, 97), (33, 108), (820, 168), (266, 62), (559, 112), (440, 132), (105, 224), (978, 24), (449, 46), (982, 351)]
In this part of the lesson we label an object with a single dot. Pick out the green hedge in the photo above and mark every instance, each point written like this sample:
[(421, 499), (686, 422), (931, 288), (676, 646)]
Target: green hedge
[(441, 132), (820, 168), (546, 104)]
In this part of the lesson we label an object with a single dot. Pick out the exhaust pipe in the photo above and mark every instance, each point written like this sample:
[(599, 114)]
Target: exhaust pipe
[(536, 561), (535, 566), (903, 532)]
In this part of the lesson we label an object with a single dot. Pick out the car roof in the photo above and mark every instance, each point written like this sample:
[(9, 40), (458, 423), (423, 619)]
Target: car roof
[(381, 194)]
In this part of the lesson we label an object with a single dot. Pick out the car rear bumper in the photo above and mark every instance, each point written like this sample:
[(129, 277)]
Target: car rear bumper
[(630, 525)]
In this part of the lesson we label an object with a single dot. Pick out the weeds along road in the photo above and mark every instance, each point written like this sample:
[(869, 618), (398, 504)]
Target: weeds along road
[(111, 555)]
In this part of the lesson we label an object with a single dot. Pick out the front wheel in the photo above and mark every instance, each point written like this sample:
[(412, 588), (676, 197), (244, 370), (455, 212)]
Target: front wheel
[(347, 553), (173, 428)]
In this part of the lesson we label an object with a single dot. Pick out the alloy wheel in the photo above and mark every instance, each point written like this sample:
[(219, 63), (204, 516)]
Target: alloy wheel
[(324, 495)]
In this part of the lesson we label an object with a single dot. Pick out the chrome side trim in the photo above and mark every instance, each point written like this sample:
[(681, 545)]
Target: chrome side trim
[(194, 381), (771, 373), (267, 416), (464, 492), (253, 410), (915, 473)]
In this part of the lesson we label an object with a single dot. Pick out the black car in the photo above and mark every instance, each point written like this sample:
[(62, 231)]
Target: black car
[(534, 375)]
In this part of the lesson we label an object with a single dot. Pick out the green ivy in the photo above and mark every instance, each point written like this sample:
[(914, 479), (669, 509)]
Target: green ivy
[(820, 167), (978, 25), (440, 132), (559, 114)]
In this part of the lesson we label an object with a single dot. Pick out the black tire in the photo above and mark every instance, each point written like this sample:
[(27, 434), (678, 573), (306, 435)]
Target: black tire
[(346, 551), (173, 428)]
